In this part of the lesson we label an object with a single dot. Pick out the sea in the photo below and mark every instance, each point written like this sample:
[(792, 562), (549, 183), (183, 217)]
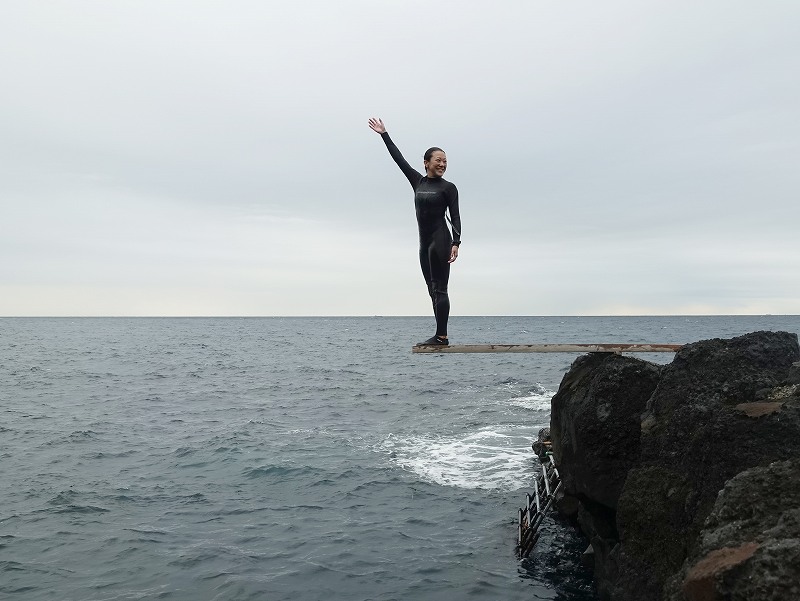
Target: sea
[(298, 459)]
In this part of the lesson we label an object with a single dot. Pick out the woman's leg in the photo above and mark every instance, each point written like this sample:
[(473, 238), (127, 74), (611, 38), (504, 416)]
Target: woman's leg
[(438, 254)]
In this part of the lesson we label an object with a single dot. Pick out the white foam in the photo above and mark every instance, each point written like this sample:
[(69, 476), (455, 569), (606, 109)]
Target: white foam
[(534, 401), (494, 457)]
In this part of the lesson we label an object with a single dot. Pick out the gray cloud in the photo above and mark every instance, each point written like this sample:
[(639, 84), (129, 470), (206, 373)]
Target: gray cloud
[(208, 158)]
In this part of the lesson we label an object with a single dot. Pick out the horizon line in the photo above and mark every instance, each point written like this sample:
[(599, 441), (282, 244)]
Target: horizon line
[(389, 316)]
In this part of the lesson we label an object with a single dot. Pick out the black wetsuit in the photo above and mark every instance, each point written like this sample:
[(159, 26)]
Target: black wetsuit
[(431, 197)]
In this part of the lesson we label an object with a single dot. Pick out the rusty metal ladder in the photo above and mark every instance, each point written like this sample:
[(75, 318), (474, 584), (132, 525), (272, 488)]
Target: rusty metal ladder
[(545, 486)]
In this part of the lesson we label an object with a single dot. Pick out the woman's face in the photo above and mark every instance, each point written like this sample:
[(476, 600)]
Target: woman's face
[(437, 165)]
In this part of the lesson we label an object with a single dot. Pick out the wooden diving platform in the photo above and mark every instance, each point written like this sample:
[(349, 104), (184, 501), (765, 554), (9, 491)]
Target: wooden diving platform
[(549, 348)]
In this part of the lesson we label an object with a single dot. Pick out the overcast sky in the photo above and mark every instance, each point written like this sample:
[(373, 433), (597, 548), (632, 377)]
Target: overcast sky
[(213, 158)]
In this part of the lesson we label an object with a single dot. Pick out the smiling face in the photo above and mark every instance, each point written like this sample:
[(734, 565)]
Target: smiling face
[(435, 162)]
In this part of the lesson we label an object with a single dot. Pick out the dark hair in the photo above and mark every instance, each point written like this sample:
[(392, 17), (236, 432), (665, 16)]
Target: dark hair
[(430, 151)]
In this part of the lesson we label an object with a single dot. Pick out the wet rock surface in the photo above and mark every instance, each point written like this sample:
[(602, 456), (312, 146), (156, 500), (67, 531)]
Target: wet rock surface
[(644, 451)]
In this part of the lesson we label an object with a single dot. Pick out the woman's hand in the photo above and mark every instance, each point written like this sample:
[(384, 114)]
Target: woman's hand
[(377, 125), (453, 253)]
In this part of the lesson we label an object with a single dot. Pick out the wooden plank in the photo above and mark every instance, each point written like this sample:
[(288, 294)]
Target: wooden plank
[(549, 348)]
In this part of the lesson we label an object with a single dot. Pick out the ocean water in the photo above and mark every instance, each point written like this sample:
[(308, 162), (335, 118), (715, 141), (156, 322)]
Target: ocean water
[(287, 458)]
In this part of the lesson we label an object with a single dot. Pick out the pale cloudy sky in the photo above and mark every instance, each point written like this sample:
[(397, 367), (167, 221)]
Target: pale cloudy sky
[(213, 158)]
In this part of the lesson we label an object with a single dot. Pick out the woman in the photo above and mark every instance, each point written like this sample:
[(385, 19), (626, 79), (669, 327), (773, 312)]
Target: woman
[(437, 248)]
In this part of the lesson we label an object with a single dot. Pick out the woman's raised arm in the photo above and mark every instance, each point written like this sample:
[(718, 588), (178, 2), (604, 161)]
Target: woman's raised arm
[(411, 174)]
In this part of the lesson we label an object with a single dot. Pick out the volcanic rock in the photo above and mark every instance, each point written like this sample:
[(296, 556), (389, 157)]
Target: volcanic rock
[(646, 449)]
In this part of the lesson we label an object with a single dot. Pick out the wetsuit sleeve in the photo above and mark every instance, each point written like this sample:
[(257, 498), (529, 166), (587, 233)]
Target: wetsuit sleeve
[(411, 174), (455, 214)]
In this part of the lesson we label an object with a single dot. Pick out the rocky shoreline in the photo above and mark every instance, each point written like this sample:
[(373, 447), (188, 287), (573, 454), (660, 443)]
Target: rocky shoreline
[(685, 477)]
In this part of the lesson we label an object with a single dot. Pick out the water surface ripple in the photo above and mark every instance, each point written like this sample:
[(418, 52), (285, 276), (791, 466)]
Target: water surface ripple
[(285, 458)]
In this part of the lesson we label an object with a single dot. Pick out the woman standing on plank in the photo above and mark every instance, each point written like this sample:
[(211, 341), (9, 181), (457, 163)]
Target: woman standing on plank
[(437, 248)]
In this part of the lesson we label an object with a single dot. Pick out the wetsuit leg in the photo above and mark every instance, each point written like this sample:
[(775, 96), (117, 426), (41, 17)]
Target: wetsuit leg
[(436, 270), (425, 265)]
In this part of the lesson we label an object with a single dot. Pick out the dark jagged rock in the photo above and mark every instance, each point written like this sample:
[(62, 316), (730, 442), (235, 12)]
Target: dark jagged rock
[(750, 545), (595, 426), (595, 423), (543, 444), (646, 450)]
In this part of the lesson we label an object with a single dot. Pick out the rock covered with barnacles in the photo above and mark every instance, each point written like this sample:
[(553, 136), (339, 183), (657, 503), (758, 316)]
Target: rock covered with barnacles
[(646, 449)]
